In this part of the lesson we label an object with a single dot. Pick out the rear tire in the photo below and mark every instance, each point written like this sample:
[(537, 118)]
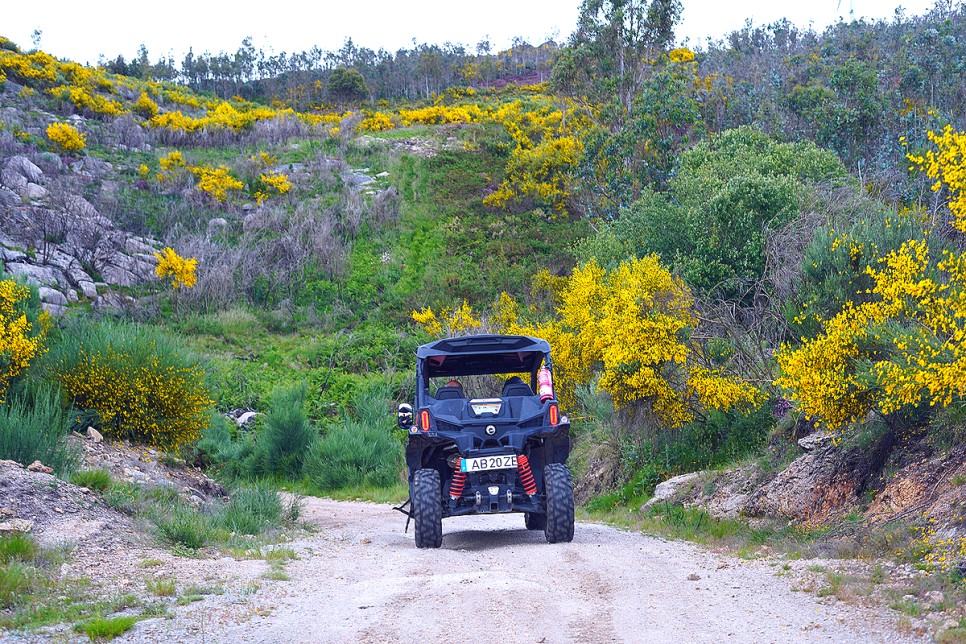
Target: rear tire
[(427, 508), (535, 521), (560, 503)]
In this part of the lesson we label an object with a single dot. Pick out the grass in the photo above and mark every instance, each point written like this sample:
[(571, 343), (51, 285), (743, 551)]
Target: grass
[(106, 628), (161, 587), (97, 480)]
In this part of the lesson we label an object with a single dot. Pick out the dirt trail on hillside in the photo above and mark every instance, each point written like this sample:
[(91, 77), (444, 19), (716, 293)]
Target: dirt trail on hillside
[(361, 579)]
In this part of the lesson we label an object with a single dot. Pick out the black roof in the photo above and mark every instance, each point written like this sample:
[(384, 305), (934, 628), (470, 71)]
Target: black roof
[(482, 354)]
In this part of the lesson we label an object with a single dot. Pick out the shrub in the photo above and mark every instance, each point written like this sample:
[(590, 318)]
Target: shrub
[(15, 581), (17, 547), (34, 430), (281, 446), (251, 510), (181, 270), (185, 527), (138, 382), (106, 628), (360, 451), (145, 107), (23, 327), (354, 454), (97, 480), (66, 138)]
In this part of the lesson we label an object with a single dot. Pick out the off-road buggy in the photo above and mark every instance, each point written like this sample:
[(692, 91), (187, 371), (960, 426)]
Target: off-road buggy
[(505, 451)]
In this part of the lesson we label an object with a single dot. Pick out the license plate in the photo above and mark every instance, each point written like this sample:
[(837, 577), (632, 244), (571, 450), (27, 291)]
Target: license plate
[(482, 463)]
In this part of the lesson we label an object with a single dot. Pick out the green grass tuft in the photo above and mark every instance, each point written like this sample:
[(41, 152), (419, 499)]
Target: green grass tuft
[(106, 628)]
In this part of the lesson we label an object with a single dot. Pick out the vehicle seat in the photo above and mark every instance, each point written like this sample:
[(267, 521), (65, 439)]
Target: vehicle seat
[(516, 387), (449, 393)]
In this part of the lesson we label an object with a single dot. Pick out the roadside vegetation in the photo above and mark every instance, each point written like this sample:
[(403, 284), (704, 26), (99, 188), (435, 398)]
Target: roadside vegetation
[(722, 263)]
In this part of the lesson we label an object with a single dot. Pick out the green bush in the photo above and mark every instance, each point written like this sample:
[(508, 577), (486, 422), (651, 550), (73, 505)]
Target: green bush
[(35, 430), (138, 382), (251, 510), (360, 451), (287, 435), (98, 480), (185, 527), (712, 223)]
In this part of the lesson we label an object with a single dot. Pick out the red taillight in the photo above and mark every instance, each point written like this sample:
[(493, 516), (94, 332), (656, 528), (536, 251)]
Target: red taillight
[(554, 415), (424, 420)]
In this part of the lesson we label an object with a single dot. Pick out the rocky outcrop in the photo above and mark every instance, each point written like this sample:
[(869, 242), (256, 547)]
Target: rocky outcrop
[(60, 242)]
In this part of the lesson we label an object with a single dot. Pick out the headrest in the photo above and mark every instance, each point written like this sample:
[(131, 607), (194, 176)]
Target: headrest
[(449, 393)]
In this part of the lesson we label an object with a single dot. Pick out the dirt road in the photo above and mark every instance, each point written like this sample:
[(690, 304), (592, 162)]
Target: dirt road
[(360, 579)]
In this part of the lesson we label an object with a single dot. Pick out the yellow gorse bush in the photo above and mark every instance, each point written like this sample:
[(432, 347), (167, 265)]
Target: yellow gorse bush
[(20, 340), (904, 348), (626, 328), (451, 321), (66, 137), (137, 390), (145, 107), (947, 165), (179, 269), (272, 183), (216, 182)]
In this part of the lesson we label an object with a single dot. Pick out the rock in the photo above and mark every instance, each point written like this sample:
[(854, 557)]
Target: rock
[(670, 488), (88, 289), (94, 435), (35, 192), (935, 597), (80, 207), (13, 180), (94, 167), (19, 526), (37, 466), (382, 174), (25, 168), (11, 255), (55, 310), (9, 198), (217, 225), (694, 577), (39, 275), (113, 301), (813, 441), (243, 420), (252, 222), (52, 296)]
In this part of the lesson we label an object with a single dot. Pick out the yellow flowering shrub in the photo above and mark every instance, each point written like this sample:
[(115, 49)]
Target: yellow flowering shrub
[(902, 349), (66, 138), (20, 339), (216, 182), (626, 328), (376, 122), (947, 165), (136, 383), (179, 269), (451, 321), (87, 101), (271, 183), (145, 107)]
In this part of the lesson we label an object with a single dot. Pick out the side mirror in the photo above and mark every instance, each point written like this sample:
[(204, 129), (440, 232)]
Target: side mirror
[(405, 416)]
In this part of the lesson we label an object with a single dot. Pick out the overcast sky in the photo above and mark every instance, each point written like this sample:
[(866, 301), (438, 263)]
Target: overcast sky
[(82, 31)]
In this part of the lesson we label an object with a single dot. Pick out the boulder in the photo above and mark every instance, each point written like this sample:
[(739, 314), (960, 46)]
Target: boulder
[(24, 167), (813, 441), (53, 296), (12, 255), (39, 275), (13, 180), (672, 487), (80, 207), (217, 225), (94, 435), (16, 526), (9, 198), (35, 192), (37, 466), (88, 289)]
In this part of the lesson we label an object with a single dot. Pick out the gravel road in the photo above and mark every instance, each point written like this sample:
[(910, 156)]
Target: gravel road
[(361, 579)]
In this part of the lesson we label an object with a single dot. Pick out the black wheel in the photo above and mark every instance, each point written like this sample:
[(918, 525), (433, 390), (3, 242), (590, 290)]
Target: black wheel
[(535, 521), (560, 503), (428, 509)]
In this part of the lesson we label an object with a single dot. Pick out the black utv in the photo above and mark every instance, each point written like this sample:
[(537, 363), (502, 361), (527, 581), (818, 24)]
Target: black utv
[(503, 448)]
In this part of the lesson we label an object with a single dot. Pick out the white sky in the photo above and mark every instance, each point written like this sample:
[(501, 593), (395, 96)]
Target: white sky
[(81, 31)]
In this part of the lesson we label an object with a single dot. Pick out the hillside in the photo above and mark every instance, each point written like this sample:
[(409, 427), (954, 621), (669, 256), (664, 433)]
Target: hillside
[(748, 260)]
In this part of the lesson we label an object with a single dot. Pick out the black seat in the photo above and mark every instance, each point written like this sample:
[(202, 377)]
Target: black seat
[(516, 387), (449, 393)]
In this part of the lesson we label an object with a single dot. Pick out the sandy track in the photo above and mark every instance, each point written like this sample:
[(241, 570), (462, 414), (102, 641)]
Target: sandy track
[(361, 579)]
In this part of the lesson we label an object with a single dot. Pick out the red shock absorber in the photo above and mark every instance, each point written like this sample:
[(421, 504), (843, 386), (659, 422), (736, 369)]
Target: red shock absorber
[(459, 481), (526, 475)]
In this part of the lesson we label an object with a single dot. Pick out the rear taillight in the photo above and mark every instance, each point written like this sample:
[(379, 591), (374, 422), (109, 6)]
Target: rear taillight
[(554, 415), (424, 420)]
